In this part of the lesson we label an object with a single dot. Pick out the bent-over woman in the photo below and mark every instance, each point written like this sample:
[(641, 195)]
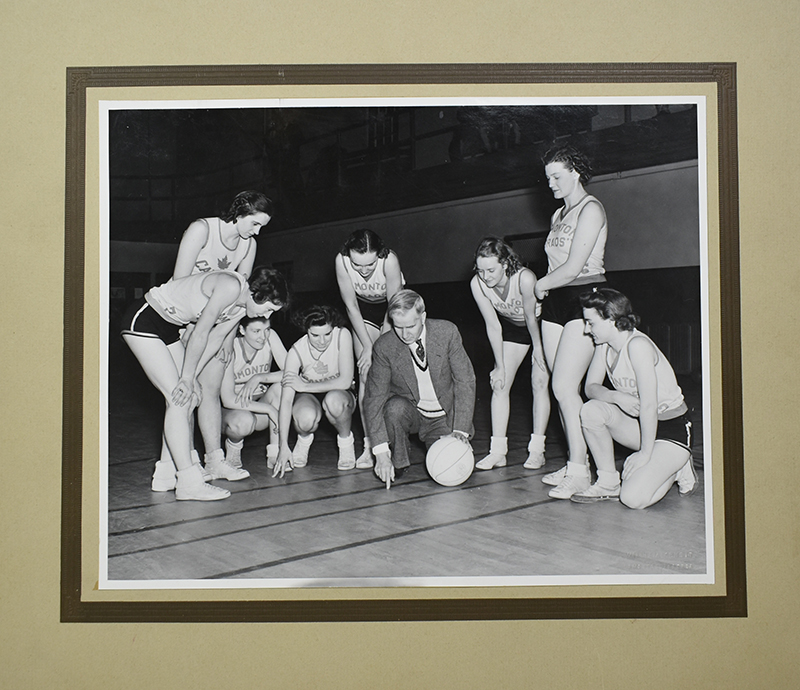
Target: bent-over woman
[(503, 289), (214, 303), (368, 274)]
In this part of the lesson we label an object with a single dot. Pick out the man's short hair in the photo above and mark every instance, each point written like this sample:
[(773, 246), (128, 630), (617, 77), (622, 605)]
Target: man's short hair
[(403, 300)]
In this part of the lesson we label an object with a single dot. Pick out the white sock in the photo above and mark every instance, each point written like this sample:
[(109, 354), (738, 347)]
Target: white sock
[(608, 480), (536, 444), (346, 441), (217, 455), (575, 469), (498, 445), (304, 441), (231, 444)]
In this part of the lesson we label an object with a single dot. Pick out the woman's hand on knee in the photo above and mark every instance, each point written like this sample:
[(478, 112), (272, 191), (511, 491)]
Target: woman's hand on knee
[(634, 462), (364, 361), (537, 360), (183, 392), (497, 378)]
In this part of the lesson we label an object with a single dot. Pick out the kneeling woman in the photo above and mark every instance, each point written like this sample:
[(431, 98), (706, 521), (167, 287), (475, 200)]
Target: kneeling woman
[(251, 391), (645, 411), (214, 302), (317, 378)]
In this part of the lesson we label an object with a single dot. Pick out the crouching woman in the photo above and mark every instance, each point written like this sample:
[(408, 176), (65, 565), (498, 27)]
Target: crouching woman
[(644, 411)]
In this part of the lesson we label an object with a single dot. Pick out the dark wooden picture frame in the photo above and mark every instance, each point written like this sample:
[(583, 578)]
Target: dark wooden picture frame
[(75, 609)]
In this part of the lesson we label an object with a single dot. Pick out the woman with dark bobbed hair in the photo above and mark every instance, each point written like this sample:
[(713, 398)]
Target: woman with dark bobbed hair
[(644, 411), (226, 243), (317, 378), (214, 303), (503, 290), (368, 274), (575, 249)]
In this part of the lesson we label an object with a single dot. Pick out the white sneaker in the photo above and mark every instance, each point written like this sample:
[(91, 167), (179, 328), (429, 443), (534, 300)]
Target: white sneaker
[(164, 478), (200, 492), (571, 484), (490, 461), (535, 461), (687, 479), (300, 452), (347, 458), (218, 468), (191, 487), (233, 454), (596, 493), (196, 461), (272, 458), (555, 478), (365, 461)]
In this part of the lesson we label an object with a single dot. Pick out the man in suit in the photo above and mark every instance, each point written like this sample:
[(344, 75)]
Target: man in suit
[(421, 381)]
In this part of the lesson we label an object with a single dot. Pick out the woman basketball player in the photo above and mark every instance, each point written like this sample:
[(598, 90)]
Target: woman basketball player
[(226, 243), (368, 275), (645, 411), (317, 378), (214, 303), (503, 289), (575, 249), (251, 391), (215, 244)]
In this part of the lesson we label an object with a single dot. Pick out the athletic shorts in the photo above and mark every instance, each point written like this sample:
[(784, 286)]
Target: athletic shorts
[(515, 333), (373, 313), (677, 431), (563, 304), (142, 320)]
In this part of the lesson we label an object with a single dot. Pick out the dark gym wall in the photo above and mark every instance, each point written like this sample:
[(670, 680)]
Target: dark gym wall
[(652, 215)]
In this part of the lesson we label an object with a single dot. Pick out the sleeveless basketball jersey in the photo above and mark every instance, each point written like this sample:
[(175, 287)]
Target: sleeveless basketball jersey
[(623, 378), (510, 307), (319, 366), (215, 256), (372, 289), (559, 240), (182, 301), (244, 370)]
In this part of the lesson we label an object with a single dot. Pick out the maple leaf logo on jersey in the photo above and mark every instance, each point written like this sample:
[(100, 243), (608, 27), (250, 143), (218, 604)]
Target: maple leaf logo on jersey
[(223, 263)]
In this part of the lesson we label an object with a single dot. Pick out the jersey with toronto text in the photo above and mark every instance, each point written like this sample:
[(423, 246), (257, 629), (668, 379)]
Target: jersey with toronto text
[(558, 244), (244, 369), (623, 377), (373, 288), (511, 307)]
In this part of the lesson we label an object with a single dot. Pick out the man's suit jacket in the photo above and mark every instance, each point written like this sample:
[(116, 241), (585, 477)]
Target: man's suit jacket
[(392, 373)]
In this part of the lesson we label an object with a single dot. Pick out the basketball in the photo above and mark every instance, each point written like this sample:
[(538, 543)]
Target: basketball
[(449, 461)]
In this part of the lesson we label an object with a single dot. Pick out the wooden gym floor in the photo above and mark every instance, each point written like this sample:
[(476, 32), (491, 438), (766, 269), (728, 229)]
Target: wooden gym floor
[(328, 526)]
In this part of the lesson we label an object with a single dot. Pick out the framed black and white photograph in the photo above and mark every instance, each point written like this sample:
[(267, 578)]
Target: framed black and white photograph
[(232, 229)]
